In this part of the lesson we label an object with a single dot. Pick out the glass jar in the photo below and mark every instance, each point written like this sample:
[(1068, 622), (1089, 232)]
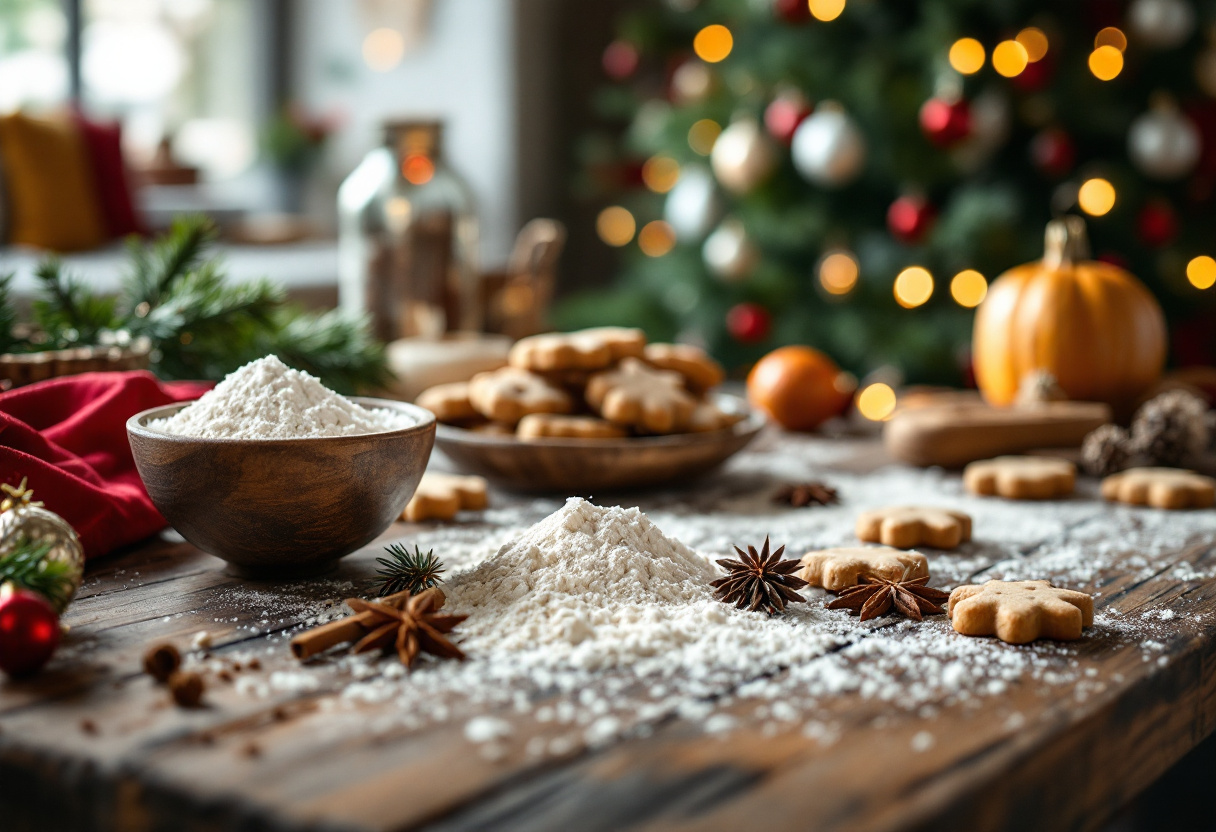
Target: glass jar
[(408, 238)]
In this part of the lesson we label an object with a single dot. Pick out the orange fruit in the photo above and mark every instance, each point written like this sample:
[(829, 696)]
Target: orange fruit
[(799, 388)]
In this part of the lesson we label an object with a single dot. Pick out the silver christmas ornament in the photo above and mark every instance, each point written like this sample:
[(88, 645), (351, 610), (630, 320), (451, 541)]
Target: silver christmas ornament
[(24, 521), (729, 253), (693, 205), (1161, 24), (743, 156), (1163, 143), (828, 148)]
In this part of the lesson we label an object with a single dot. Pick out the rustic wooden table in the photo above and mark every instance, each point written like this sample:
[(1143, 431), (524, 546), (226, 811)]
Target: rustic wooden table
[(93, 743)]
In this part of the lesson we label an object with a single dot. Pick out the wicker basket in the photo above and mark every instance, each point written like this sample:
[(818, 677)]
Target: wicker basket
[(17, 369)]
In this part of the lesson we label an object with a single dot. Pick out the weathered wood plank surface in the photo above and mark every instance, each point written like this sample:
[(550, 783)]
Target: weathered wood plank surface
[(92, 743)]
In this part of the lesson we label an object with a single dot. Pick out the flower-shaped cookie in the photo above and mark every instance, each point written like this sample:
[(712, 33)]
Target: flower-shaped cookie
[(1021, 477), (509, 394), (836, 569), (905, 527), (638, 396), (1020, 611), (1160, 488), (588, 349)]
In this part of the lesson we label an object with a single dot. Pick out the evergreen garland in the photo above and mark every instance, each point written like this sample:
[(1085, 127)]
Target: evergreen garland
[(26, 567)]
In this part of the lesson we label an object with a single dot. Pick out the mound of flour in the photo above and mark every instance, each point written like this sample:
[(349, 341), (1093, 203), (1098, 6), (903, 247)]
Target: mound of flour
[(266, 399)]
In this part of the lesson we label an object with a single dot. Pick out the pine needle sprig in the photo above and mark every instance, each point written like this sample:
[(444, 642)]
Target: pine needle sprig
[(157, 268), (26, 567), (408, 571), (8, 315), (69, 312)]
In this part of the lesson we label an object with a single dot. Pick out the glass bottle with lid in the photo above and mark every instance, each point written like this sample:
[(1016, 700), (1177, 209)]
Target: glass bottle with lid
[(408, 238)]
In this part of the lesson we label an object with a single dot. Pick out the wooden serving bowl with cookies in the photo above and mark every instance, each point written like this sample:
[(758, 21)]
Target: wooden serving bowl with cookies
[(593, 410)]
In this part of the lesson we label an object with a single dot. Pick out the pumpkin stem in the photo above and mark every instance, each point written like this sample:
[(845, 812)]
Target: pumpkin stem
[(1065, 242)]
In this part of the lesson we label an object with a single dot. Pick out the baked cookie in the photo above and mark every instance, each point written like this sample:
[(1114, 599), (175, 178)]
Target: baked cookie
[(509, 394), (636, 395), (440, 496), (835, 569), (1020, 611), (545, 425), (1160, 488), (708, 416), (1021, 477), (905, 527), (587, 349), (700, 371), (449, 402), (493, 429)]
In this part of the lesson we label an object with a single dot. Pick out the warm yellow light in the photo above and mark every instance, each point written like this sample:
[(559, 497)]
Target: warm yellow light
[(702, 135), (968, 288), (838, 273), (1034, 41), (713, 43), (615, 225), (1096, 197), (383, 49), (1105, 62), (1009, 58), (967, 56), (1201, 271), (1110, 36), (417, 168), (826, 10), (660, 173), (913, 286), (876, 402), (656, 238)]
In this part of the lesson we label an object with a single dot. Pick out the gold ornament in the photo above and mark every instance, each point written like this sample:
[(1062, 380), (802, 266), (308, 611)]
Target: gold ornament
[(24, 521)]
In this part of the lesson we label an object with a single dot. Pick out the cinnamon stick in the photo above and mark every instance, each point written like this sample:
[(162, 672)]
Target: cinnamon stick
[(352, 628)]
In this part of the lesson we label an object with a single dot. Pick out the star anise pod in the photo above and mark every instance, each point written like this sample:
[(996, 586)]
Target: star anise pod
[(800, 495), (417, 627), (876, 596), (759, 581)]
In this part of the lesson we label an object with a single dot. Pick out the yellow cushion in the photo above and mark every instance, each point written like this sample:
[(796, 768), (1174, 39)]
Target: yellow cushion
[(52, 196)]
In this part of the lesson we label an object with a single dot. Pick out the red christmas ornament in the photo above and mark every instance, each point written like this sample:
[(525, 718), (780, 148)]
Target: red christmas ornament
[(1157, 224), (783, 115), (29, 631), (748, 323), (792, 11), (1052, 151), (945, 123), (1115, 259), (1037, 75), (909, 219), (620, 60)]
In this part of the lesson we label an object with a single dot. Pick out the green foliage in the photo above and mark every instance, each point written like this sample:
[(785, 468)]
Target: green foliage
[(69, 313), (8, 315), (27, 567), (406, 570)]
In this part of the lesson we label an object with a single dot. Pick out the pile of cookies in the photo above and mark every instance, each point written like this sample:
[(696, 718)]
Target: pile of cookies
[(603, 383)]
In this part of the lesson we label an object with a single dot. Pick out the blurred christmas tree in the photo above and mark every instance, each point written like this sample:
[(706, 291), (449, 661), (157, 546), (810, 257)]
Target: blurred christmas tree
[(850, 175)]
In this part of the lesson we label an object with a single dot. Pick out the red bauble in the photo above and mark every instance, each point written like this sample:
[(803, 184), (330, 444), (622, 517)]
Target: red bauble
[(620, 60), (1115, 259), (1052, 151), (1037, 75), (909, 219), (783, 115), (748, 323), (945, 123), (792, 11), (29, 632), (1157, 224)]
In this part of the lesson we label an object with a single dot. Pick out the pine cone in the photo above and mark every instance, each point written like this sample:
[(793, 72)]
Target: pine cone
[(1171, 429), (1037, 387), (1106, 450)]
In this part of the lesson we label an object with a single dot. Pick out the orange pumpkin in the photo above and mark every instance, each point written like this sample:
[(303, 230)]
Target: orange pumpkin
[(1092, 325)]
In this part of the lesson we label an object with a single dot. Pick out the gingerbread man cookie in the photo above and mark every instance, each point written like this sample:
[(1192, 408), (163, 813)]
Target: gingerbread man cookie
[(441, 496), (1020, 611), (1021, 477), (544, 425), (449, 402), (1160, 488), (836, 569), (698, 368), (905, 527), (588, 349), (509, 394), (635, 395)]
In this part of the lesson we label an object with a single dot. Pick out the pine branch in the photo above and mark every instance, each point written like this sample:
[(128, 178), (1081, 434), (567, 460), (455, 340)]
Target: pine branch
[(27, 568), (333, 346), (8, 315), (70, 313), (406, 570), (157, 268)]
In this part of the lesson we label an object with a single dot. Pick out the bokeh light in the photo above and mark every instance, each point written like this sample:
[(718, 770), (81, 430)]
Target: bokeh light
[(838, 273), (702, 135), (967, 56), (1034, 41), (968, 288), (1009, 58), (713, 43), (616, 226), (1110, 36), (383, 49), (417, 169), (656, 238), (1201, 272), (660, 173), (1096, 197), (826, 10), (1105, 62), (913, 286), (876, 402)]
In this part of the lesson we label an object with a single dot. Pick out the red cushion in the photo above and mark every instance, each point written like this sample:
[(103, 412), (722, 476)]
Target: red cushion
[(104, 144)]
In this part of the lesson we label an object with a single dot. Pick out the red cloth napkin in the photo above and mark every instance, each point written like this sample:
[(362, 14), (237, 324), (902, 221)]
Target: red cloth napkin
[(69, 437)]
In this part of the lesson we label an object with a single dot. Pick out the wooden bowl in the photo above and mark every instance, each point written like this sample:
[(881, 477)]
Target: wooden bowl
[(280, 507), (584, 466)]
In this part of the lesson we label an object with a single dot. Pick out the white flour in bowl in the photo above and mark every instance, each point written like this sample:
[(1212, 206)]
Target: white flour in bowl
[(266, 399)]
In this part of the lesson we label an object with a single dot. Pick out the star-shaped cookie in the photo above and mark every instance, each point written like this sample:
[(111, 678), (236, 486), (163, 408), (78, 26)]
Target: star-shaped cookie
[(1021, 477), (1020, 611), (1160, 488), (440, 496), (836, 569), (636, 395), (905, 527)]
